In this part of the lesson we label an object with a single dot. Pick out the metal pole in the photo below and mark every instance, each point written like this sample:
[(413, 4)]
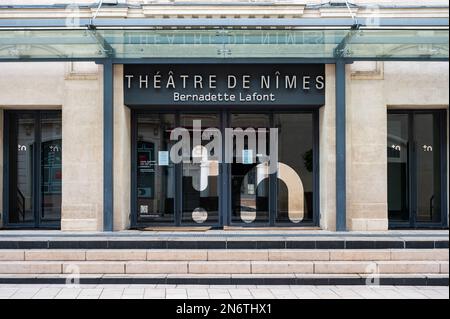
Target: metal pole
[(341, 218), (108, 146)]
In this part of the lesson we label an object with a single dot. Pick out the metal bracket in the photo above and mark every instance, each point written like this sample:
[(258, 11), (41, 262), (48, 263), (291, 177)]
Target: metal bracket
[(341, 49), (105, 47)]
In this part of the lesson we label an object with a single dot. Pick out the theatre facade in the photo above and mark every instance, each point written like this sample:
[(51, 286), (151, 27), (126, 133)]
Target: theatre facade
[(291, 116)]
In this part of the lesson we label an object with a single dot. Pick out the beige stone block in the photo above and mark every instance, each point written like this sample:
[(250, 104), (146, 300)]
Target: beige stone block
[(55, 255), (443, 267), (219, 267), (37, 267), (94, 267), (358, 224), (368, 191), (343, 267), (408, 267), (116, 255), (419, 254), (378, 224), (83, 196), (365, 152), (298, 255), (368, 224), (237, 255), (368, 211), (34, 92), (68, 224), (359, 255), (282, 267), (11, 255), (155, 267), (176, 254)]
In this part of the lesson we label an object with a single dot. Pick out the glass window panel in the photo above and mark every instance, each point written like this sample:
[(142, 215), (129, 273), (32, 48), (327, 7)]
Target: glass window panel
[(200, 172), (23, 176), (295, 150), (398, 167), (51, 167), (155, 171), (428, 167), (250, 199)]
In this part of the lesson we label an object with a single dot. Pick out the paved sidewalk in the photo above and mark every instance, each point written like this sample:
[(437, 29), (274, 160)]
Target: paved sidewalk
[(220, 292)]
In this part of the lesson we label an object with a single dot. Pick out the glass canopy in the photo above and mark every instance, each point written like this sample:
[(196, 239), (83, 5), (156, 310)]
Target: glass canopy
[(427, 44)]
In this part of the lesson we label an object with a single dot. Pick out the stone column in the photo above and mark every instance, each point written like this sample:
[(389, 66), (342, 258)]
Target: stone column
[(82, 162), (366, 149), (327, 150), (122, 154)]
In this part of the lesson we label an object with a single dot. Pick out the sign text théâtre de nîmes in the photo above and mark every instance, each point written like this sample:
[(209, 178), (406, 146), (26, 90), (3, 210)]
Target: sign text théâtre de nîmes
[(224, 84)]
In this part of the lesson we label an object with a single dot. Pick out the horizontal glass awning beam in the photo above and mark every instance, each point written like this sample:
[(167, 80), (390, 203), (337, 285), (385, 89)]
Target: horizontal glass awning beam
[(223, 43)]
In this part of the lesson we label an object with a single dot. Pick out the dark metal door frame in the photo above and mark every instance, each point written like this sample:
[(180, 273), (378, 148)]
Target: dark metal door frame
[(412, 170)]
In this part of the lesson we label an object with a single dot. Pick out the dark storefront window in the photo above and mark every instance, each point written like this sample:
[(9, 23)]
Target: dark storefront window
[(416, 169), (204, 189), (33, 150)]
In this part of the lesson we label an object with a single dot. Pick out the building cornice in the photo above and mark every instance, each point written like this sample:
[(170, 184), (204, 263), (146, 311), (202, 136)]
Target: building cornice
[(220, 10)]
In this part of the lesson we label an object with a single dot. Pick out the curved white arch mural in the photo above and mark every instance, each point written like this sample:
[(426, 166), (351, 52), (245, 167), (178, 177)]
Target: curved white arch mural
[(295, 188)]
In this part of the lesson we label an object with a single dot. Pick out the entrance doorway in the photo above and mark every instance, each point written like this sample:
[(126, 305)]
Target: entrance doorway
[(417, 169), (205, 190), (33, 171)]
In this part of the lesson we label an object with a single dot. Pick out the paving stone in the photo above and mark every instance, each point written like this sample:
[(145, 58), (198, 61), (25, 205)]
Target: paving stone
[(30, 267), (408, 267), (420, 254), (11, 255), (343, 267), (238, 255), (282, 267), (116, 254), (156, 267), (47, 293), (55, 255), (298, 255), (219, 267), (68, 293), (359, 255), (94, 267), (176, 254)]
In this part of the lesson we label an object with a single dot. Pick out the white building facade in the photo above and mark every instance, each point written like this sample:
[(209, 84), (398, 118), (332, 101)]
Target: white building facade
[(79, 156)]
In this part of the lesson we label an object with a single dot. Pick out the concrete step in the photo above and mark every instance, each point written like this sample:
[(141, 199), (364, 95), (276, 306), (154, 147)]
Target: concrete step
[(188, 255), (224, 267)]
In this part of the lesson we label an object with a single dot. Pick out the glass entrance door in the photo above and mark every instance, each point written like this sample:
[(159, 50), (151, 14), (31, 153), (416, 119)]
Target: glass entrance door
[(261, 195), (34, 171), (416, 170), (200, 170), (250, 185), (214, 169)]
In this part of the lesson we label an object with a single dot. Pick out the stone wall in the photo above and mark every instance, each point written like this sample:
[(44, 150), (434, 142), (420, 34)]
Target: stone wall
[(373, 89)]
